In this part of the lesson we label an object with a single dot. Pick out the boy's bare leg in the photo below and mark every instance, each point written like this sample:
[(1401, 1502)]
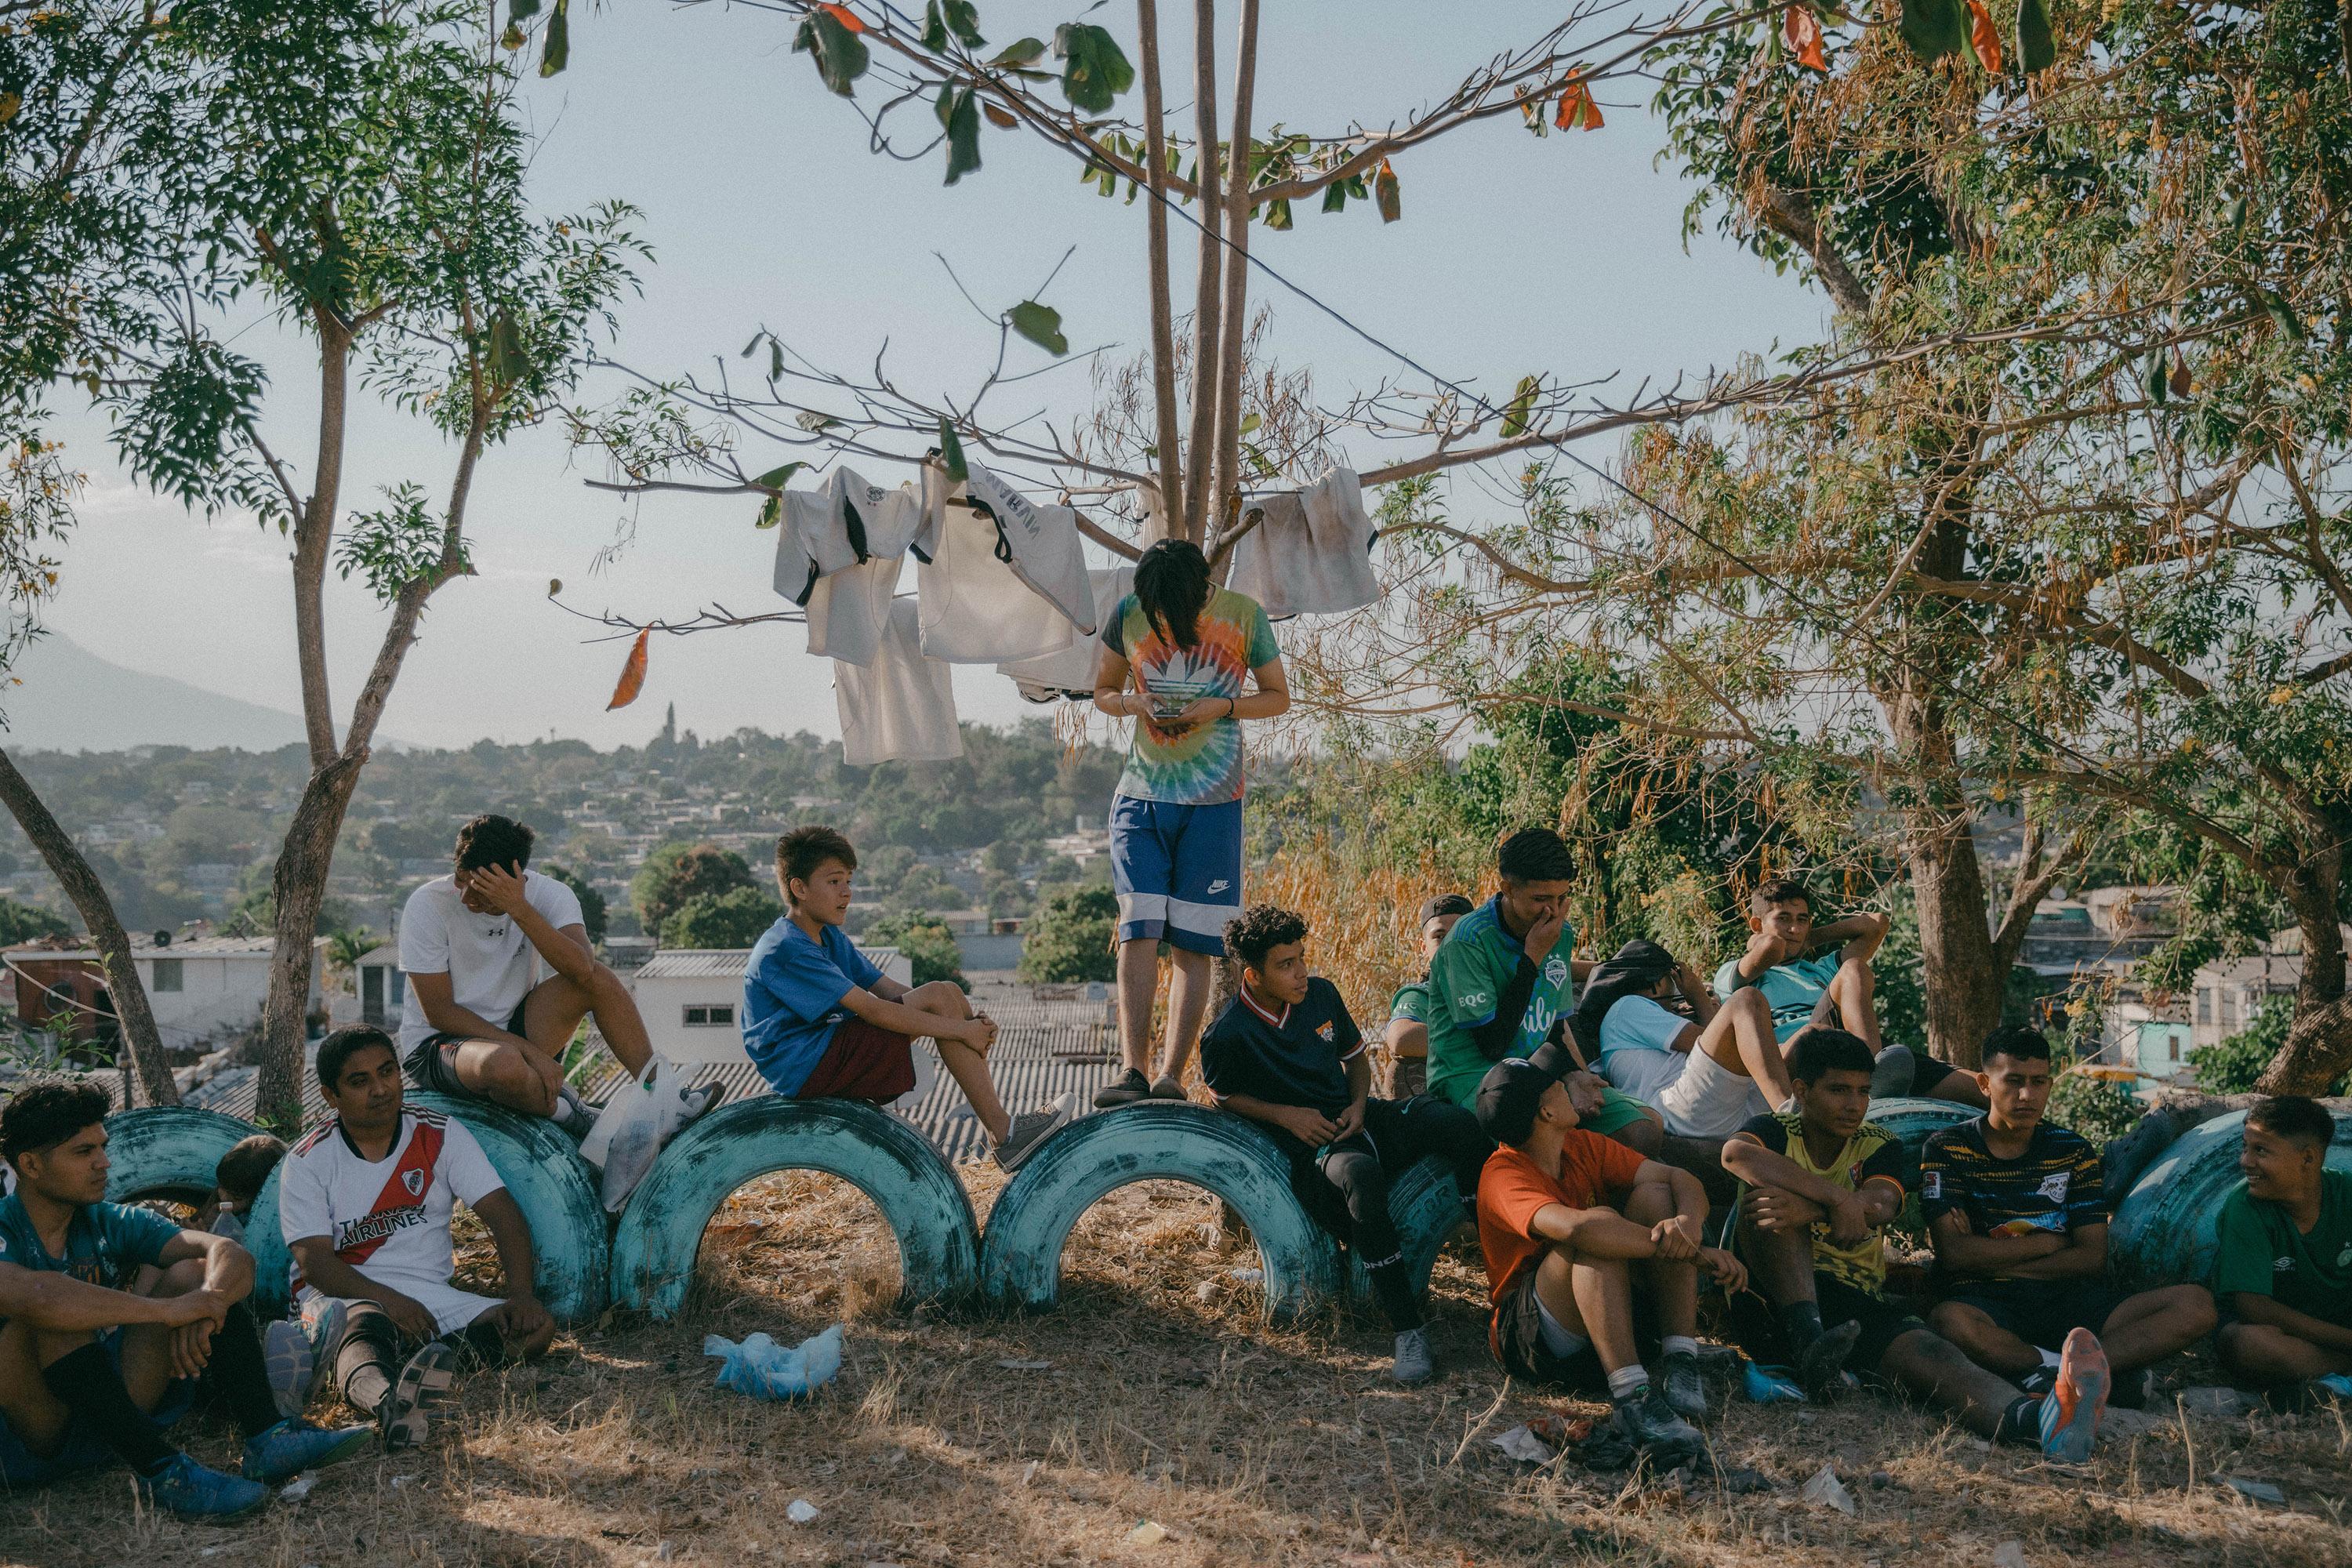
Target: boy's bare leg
[(1592, 1297), (1139, 988), (1188, 1002), (2264, 1354), (1856, 993), (2145, 1329), (36, 1415), (1941, 1373), (1739, 1038), (1672, 1286), (968, 1067)]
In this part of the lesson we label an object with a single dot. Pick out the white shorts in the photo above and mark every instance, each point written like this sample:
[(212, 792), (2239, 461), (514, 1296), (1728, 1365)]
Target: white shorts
[(1708, 1101)]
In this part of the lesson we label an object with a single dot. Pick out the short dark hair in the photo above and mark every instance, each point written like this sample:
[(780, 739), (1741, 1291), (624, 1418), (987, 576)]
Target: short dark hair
[(800, 852), (2295, 1117), (248, 1164), (2018, 1043), (1780, 890), (1822, 1051), (337, 1049), (493, 840), (1258, 930), (1535, 855), (46, 1111)]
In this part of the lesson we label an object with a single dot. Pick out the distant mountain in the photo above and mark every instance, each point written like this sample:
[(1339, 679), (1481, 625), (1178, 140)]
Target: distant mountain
[(70, 700)]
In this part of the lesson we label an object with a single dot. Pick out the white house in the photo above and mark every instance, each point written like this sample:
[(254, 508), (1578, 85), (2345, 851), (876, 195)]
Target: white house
[(199, 988), (692, 998)]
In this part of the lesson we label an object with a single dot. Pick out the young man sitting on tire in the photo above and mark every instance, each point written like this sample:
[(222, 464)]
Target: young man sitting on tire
[(2282, 1262), (1823, 1183), (2019, 1219), (820, 1021), (500, 975), (1284, 1053), (110, 1315), (363, 1203), (1564, 1216)]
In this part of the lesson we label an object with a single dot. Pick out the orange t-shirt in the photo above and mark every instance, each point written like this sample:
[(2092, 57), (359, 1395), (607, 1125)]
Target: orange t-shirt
[(1513, 1188)]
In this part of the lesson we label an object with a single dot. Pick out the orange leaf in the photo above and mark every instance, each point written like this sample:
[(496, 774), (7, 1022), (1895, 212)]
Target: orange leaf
[(1802, 31), (1577, 108), (846, 16), (1001, 119), (632, 676), (1983, 38)]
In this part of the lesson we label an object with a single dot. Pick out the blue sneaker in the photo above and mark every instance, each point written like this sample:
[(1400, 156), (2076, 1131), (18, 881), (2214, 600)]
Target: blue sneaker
[(294, 1446), (2077, 1398), (2335, 1382), (186, 1490)]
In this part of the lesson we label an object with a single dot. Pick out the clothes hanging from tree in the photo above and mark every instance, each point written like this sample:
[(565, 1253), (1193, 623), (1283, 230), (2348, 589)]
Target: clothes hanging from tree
[(899, 707), (981, 567), (1310, 552), (837, 557), (1070, 673)]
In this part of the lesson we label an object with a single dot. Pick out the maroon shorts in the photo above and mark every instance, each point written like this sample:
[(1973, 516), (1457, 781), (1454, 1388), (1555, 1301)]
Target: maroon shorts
[(863, 1062)]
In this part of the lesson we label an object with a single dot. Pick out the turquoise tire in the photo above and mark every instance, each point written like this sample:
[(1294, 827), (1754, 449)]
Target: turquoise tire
[(1427, 1210), (174, 1149), (920, 1198), (1915, 1121)]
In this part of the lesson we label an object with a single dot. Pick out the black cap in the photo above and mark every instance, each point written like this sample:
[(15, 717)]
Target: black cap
[(1508, 1097), (1445, 904)]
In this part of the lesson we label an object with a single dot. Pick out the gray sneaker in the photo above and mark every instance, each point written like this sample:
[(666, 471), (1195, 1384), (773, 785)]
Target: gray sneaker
[(428, 1374), (1685, 1389), (289, 1361), (700, 1102), (1647, 1422), (1412, 1364), (1029, 1131), (327, 1337)]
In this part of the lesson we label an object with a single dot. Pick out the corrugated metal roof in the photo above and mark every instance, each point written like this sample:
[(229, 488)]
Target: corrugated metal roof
[(145, 946), (723, 962)]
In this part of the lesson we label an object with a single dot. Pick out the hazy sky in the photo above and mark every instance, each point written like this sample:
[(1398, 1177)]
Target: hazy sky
[(1516, 254)]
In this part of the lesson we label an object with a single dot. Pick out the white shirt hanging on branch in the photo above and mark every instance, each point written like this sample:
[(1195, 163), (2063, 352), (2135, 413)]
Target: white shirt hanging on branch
[(900, 706), (1311, 552), (838, 557), (1001, 578), (1070, 671)]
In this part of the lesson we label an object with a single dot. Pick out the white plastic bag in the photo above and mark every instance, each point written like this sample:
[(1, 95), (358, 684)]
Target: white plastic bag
[(643, 1114), (766, 1370)]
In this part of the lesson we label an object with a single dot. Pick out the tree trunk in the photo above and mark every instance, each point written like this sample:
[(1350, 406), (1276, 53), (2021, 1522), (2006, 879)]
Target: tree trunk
[(1964, 978), (1225, 489), (105, 933), (1194, 522), (2319, 1047), (314, 531), (1163, 320)]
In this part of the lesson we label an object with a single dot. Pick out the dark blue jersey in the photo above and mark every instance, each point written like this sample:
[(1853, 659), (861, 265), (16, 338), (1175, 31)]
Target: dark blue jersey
[(1293, 1057)]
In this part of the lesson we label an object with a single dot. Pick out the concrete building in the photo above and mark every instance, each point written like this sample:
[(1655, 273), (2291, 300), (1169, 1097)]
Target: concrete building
[(692, 997), (199, 989)]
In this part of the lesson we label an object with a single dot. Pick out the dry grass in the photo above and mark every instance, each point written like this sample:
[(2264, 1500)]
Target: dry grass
[(1249, 1444)]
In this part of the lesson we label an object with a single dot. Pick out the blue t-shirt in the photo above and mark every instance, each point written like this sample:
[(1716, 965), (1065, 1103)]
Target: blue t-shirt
[(105, 1244), (793, 988), (1791, 990), (1637, 1045)]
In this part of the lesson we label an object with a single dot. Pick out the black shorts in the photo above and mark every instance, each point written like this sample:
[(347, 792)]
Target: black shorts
[(2042, 1313), (432, 1061), (1757, 1327), (1516, 1336)]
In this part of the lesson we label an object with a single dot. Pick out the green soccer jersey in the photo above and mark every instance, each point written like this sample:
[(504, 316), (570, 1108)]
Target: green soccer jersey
[(1473, 967), (2259, 1252), (1411, 1002)]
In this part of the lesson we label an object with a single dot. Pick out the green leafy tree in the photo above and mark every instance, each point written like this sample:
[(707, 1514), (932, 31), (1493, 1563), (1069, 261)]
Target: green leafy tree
[(2236, 1065), (677, 873), (23, 923), (931, 947), (591, 902), (736, 918), (1070, 938)]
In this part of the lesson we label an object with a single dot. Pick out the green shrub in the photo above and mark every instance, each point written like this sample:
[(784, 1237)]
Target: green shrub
[(1069, 940), (931, 947), (732, 918)]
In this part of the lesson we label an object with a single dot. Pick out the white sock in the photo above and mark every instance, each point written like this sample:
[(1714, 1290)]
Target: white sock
[(2049, 1358), (1679, 1345), (1787, 1106), (1628, 1380)]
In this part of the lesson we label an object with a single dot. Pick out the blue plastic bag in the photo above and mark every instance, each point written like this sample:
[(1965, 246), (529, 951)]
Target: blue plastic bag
[(766, 1370), (1770, 1385)]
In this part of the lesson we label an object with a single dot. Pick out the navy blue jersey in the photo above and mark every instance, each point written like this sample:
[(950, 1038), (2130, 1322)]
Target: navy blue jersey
[(1294, 1057)]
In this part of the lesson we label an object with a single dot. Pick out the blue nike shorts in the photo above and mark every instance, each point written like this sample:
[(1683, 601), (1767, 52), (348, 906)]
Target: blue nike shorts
[(1177, 870)]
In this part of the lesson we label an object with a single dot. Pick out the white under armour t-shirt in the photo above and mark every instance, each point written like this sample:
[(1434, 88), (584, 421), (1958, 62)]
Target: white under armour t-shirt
[(491, 965), (389, 1219)]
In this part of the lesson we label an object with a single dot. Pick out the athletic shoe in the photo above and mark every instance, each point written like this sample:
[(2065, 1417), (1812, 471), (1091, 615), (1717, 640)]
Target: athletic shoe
[(2333, 1384), (1820, 1366), (1167, 1088), (1650, 1423), (293, 1446), (332, 1326), (1029, 1130), (1412, 1364), (2132, 1390), (186, 1490), (1125, 1089), (572, 1114), (400, 1418), (2069, 1416), (2041, 1379), (290, 1362), (700, 1101), (1684, 1389)]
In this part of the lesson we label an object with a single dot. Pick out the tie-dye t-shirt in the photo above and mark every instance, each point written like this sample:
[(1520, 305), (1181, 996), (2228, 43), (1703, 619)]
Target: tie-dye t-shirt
[(1202, 765)]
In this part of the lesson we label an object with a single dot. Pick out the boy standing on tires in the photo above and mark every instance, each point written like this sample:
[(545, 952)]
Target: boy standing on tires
[(820, 1021), (364, 1204), (1284, 1053)]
